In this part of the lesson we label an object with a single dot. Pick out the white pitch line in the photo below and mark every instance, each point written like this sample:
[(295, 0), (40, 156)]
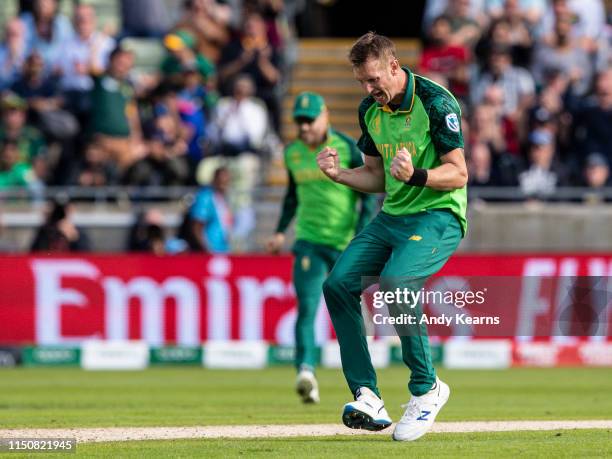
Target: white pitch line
[(107, 434)]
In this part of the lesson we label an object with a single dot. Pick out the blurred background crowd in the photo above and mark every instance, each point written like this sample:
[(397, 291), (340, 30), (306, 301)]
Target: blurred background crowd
[(77, 110), (535, 79)]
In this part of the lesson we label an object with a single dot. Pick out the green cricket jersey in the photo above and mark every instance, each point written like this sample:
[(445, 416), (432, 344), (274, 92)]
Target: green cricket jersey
[(427, 124), (326, 211)]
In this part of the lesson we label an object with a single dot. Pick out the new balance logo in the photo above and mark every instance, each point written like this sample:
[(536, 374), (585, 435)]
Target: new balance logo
[(423, 416)]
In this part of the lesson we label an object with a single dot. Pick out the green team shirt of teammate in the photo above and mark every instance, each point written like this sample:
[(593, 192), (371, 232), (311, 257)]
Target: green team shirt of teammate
[(326, 211), (427, 124)]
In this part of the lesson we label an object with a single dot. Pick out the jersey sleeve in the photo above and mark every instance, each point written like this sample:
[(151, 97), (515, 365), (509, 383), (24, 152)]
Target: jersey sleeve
[(445, 124), (289, 208), (365, 143)]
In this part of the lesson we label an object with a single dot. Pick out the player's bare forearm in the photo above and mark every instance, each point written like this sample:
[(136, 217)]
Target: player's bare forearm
[(365, 179), (451, 174), (369, 178)]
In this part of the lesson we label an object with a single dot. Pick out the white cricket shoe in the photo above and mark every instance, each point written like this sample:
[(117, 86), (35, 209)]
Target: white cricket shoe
[(421, 413), (367, 412), (307, 387)]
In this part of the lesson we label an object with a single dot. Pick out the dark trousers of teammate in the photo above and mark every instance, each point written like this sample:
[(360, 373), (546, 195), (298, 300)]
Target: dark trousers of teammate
[(409, 247), (311, 265)]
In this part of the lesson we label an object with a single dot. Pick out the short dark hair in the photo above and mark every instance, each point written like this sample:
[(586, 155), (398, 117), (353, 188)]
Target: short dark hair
[(371, 45), (118, 50), (442, 18)]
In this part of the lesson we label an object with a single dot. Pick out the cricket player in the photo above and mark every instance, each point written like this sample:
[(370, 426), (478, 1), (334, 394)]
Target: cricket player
[(413, 146), (327, 219)]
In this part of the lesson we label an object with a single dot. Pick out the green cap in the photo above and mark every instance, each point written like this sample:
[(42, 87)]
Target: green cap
[(179, 40), (12, 100), (308, 105)]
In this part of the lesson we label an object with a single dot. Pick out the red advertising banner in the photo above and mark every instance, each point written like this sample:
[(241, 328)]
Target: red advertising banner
[(190, 299)]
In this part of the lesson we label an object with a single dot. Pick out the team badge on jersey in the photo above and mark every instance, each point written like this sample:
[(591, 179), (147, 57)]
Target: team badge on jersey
[(376, 125), (452, 122), (408, 121)]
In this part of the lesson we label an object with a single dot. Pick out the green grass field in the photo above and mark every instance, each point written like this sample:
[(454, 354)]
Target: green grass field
[(194, 397)]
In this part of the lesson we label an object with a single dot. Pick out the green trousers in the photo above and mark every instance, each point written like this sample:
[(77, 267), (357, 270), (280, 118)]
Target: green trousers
[(311, 265), (411, 247)]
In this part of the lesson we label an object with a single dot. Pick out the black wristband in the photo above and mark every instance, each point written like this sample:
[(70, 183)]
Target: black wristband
[(419, 178)]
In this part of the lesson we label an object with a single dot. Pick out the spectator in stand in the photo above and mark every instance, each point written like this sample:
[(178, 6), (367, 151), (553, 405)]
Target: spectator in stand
[(549, 113), (94, 169), (165, 163), (45, 101), (442, 57), (30, 142), (182, 56), (479, 165), (196, 99), (207, 21), (494, 97), (144, 18), (115, 120), (516, 83), (240, 122), (519, 34), (46, 111), (13, 172), (147, 234), (487, 128), (592, 120), (59, 233), (544, 173), (596, 176), (239, 126), (465, 29), (488, 168), (435, 8), (188, 100), (46, 32), (211, 217), (13, 53), (252, 54), (588, 19), (272, 12), (565, 56), (530, 10), (86, 53)]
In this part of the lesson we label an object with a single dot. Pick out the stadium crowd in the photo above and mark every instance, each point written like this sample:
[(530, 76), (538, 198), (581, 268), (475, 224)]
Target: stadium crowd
[(73, 112), (533, 77), (535, 81)]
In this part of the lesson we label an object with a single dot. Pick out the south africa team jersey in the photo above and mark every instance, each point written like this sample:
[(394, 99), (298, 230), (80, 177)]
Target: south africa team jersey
[(326, 211), (427, 124)]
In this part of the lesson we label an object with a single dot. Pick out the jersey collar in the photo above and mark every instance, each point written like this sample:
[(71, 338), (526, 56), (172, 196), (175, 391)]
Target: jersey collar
[(408, 100)]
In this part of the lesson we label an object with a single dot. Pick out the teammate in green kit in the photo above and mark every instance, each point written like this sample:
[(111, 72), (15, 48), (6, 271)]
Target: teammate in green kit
[(411, 136), (327, 219)]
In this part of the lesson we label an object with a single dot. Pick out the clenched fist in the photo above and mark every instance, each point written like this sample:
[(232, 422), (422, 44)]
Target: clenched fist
[(328, 162), (401, 166)]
